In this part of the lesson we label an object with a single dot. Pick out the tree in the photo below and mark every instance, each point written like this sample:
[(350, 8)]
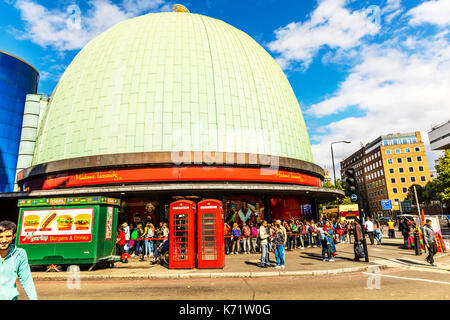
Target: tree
[(442, 181), (420, 193)]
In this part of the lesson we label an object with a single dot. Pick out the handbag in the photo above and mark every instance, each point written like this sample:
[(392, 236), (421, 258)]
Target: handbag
[(360, 251)]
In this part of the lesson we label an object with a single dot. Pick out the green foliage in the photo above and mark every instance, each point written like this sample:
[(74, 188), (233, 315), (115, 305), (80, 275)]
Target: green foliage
[(439, 188), (442, 181)]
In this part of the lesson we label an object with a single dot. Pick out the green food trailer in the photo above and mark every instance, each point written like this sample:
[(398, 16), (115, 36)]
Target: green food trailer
[(68, 231)]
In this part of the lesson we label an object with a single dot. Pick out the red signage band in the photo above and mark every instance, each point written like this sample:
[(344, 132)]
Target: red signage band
[(172, 174)]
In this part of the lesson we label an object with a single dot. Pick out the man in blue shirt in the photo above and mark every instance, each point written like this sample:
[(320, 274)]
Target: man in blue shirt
[(14, 263)]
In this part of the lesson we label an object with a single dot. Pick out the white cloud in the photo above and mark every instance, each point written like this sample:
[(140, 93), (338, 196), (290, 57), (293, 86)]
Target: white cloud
[(71, 29), (434, 12), (400, 88), (330, 24)]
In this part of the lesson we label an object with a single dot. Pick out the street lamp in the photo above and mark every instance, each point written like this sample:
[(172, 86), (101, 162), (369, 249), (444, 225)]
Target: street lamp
[(332, 157)]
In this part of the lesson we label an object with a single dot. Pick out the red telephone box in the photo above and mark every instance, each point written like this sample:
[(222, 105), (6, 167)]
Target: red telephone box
[(211, 250), (182, 234)]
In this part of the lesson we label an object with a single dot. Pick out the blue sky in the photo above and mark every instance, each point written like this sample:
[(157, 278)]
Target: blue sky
[(359, 69)]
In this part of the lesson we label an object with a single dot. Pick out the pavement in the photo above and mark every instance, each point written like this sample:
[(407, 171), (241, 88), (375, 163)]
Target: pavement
[(307, 262)]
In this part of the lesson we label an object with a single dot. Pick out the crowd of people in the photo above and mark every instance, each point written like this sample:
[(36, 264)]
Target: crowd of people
[(280, 235), (141, 239)]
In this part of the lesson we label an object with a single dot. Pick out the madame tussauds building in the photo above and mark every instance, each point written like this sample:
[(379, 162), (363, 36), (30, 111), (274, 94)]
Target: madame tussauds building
[(177, 105)]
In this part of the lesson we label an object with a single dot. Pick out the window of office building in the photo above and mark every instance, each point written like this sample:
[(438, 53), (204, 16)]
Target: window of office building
[(409, 159), (389, 161), (388, 151), (423, 178), (421, 168), (413, 179), (394, 190), (396, 201), (411, 169), (399, 160), (392, 180), (405, 190), (403, 180), (407, 150), (401, 170), (397, 151), (417, 149), (419, 158), (391, 170)]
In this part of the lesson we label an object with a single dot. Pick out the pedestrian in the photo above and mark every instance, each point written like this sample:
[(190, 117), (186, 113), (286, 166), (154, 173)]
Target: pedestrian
[(246, 232), (236, 232), (270, 232), (331, 240), (140, 241), (126, 230), (405, 233), (226, 232), (289, 236), (368, 225), (302, 234), (339, 230), (357, 247), (314, 234), (377, 233), (309, 234), (278, 241), (322, 235), (121, 242), (149, 233), (254, 237), (14, 265), (430, 242), (391, 229), (345, 232), (263, 236)]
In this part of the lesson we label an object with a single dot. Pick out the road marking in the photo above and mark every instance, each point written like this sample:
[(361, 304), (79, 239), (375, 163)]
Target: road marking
[(405, 278)]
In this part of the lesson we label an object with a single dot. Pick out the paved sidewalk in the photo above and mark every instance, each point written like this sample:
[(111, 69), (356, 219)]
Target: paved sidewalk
[(298, 262)]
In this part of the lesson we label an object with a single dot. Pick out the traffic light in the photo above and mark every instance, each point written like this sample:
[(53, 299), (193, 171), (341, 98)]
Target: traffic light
[(349, 178)]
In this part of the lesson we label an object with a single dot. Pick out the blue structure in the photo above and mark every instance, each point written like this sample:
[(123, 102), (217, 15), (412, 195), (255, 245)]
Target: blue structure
[(17, 79)]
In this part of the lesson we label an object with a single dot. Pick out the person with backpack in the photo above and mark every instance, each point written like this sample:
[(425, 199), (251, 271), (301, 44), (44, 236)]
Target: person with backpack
[(302, 235), (246, 232)]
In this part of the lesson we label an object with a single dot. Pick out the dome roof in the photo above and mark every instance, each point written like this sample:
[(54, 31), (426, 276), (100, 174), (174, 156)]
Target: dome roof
[(172, 81)]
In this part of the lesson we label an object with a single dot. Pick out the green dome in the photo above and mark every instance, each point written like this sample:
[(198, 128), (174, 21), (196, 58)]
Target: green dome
[(172, 82)]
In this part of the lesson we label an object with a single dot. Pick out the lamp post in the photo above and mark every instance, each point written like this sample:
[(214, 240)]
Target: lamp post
[(332, 157)]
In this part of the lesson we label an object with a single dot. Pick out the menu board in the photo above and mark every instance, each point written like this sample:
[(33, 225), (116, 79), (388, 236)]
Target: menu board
[(109, 221), (56, 225)]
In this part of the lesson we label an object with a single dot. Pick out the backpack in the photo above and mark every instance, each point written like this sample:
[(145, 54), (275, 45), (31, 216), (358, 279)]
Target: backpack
[(247, 231), (134, 235)]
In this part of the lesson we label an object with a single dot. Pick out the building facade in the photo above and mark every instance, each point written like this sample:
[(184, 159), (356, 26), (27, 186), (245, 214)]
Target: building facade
[(387, 167), (17, 79), (440, 136), (177, 105)]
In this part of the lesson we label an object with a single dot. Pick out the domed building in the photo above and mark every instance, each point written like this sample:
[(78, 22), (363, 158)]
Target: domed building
[(176, 105)]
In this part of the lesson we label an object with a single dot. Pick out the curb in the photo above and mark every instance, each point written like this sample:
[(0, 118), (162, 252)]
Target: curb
[(204, 275)]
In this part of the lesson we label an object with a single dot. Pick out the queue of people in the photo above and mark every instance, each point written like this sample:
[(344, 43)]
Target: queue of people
[(142, 239)]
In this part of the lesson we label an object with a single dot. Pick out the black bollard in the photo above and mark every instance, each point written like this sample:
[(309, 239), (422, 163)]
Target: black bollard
[(417, 245)]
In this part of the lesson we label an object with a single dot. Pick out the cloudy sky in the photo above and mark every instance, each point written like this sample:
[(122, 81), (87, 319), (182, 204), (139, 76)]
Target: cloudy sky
[(359, 69)]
